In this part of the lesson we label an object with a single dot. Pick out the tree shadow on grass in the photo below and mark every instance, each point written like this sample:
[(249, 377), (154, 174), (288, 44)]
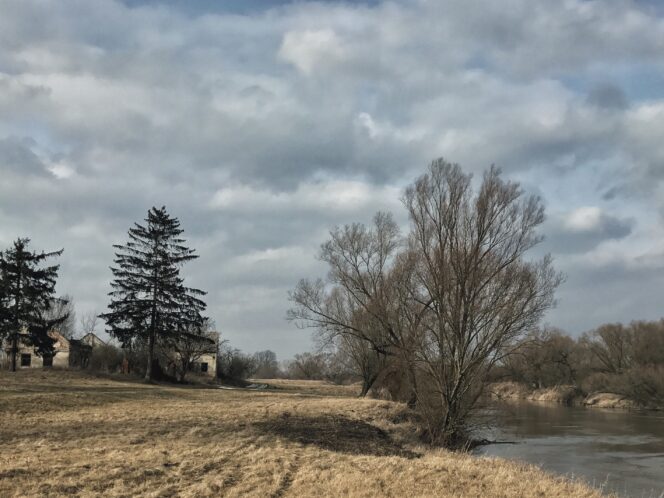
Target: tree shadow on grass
[(335, 433)]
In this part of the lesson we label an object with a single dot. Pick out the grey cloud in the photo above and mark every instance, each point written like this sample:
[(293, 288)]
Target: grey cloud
[(607, 96), (16, 154), (594, 294), (561, 238)]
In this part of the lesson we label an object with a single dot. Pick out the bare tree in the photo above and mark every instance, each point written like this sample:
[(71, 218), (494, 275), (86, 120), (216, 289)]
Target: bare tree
[(545, 358), (233, 365), (449, 302), (480, 291), (310, 366), (350, 302), (365, 299), (88, 323), (611, 346), (267, 366)]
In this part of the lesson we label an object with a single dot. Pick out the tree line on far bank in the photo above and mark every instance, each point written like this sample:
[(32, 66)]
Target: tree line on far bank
[(614, 358)]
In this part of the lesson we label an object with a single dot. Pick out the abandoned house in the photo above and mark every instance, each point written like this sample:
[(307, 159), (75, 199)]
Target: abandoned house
[(92, 340), (204, 359), (66, 353), (206, 364)]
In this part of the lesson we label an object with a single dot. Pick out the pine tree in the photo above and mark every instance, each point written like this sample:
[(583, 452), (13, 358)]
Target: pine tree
[(27, 294), (149, 301)]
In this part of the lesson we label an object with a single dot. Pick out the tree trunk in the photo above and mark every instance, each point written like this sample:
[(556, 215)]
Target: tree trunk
[(153, 330), (184, 364), (17, 314), (148, 372), (14, 352), (412, 400), (367, 383)]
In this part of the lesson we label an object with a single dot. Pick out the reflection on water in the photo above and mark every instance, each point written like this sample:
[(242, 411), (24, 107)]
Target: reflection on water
[(618, 450)]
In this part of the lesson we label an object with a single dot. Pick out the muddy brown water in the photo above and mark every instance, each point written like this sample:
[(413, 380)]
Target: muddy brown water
[(615, 450)]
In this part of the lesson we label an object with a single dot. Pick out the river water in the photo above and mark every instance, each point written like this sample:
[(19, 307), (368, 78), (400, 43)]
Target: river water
[(619, 451)]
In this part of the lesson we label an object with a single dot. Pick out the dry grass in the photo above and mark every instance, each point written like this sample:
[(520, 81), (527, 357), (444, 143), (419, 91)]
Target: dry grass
[(568, 395), (312, 387), (608, 400), (63, 433)]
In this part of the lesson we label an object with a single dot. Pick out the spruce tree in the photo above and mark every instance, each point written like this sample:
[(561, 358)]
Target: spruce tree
[(27, 294), (149, 301)]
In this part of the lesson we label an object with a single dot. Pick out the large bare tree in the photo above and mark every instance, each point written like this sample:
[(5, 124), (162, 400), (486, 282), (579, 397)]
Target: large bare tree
[(481, 291), (449, 301)]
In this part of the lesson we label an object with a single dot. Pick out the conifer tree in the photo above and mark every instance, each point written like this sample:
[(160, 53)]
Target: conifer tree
[(27, 294), (149, 301)]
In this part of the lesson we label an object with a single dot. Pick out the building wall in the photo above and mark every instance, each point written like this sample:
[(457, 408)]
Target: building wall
[(60, 359), (211, 361)]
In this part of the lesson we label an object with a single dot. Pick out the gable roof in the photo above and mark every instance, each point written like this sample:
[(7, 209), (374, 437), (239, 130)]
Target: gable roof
[(92, 339)]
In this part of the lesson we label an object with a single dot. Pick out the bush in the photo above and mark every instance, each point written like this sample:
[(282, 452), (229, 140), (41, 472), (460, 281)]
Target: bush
[(106, 358), (600, 382), (266, 364), (233, 364), (645, 385)]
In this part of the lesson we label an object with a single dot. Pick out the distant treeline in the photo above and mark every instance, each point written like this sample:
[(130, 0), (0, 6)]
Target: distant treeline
[(616, 358)]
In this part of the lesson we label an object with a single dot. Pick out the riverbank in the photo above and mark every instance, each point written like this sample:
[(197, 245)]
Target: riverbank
[(77, 435), (567, 395)]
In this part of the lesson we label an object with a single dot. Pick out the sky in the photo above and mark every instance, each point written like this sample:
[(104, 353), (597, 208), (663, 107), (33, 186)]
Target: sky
[(263, 124)]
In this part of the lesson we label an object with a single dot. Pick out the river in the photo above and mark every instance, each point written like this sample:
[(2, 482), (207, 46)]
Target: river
[(619, 451)]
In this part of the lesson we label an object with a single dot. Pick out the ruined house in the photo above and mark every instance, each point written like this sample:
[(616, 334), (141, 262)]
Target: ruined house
[(66, 353), (206, 363), (92, 340)]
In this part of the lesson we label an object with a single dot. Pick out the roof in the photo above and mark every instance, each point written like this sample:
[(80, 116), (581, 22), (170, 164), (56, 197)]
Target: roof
[(92, 339)]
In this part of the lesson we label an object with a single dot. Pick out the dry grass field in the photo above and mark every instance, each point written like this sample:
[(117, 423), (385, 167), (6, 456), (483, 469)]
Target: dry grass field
[(68, 434)]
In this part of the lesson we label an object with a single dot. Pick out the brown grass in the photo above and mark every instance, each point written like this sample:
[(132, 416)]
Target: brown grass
[(608, 400), (64, 433), (568, 395)]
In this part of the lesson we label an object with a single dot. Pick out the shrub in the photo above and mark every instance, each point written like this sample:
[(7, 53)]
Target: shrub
[(645, 385), (106, 358), (233, 364)]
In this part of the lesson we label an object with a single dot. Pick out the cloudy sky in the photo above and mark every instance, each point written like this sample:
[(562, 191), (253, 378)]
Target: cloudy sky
[(261, 124)]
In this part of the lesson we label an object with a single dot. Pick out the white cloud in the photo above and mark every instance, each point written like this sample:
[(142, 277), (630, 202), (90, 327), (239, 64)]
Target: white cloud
[(61, 171), (330, 195), (309, 50), (584, 219)]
